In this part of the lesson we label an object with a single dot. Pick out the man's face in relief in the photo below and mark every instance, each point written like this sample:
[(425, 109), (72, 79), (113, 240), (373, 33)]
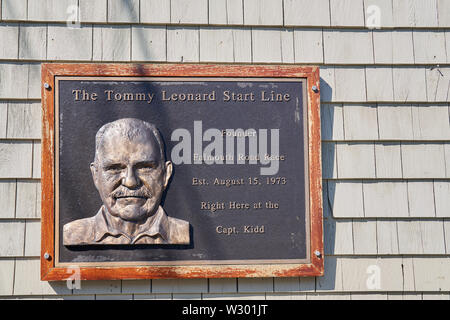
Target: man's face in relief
[(130, 174)]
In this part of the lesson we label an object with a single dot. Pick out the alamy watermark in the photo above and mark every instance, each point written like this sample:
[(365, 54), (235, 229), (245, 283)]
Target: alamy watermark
[(373, 281), (252, 147), (373, 17), (74, 280)]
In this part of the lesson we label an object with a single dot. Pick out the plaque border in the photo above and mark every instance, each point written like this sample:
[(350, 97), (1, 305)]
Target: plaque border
[(50, 272), (58, 263)]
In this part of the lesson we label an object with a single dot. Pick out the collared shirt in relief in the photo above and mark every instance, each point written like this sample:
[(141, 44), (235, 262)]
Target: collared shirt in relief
[(157, 229)]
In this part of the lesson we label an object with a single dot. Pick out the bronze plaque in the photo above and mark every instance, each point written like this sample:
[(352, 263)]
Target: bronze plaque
[(172, 171)]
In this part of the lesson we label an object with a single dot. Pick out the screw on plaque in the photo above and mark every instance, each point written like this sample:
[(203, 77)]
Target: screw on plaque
[(315, 89), (47, 256), (47, 86), (317, 253)]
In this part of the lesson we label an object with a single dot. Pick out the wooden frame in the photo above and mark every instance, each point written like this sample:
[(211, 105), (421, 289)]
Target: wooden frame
[(50, 272)]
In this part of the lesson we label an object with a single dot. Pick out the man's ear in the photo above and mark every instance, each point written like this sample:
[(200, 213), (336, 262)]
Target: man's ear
[(94, 173), (169, 169)]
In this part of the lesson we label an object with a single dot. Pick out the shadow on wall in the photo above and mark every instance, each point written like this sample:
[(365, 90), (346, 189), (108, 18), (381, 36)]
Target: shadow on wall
[(328, 281)]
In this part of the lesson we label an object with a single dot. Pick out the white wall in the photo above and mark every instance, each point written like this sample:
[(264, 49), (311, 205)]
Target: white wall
[(385, 130)]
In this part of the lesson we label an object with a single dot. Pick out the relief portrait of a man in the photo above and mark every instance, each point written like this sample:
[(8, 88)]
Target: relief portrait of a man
[(131, 174)]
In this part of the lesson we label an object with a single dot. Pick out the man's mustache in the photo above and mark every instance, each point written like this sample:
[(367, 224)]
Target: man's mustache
[(123, 193)]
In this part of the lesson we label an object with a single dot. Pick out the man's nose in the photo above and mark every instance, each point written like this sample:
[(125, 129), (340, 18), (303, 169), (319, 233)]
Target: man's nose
[(130, 180)]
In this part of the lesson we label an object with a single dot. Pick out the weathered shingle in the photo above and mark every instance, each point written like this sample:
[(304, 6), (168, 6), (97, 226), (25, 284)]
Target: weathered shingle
[(286, 284), (327, 84), (447, 235), (429, 47), (387, 239), (24, 120), (395, 122), (12, 237), (348, 47), (355, 160), (360, 122), (93, 10), (242, 45), (14, 9), (217, 12), (329, 160), (365, 237), (225, 285), (8, 198), (393, 46), (32, 238), (385, 199), (308, 46), (306, 13), (423, 160), (421, 199), (421, 237), (149, 43), (9, 46), (415, 13), (179, 285), (346, 198), (263, 12), (51, 10), (442, 198), (36, 160), (183, 44), (332, 278), (388, 160), (69, 43), (17, 81), (27, 280), (15, 159), (155, 11), (287, 45), (350, 84), (112, 43), (33, 42), (438, 83), (338, 237), (189, 11), (409, 237), (136, 286), (216, 44), (431, 122), (3, 119), (28, 199), (443, 13), (123, 10), (266, 45), (409, 84), (6, 277), (229, 12), (331, 117), (447, 158), (433, 236), (255, 285), (432, 274), (379, 84), (347, 13)]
